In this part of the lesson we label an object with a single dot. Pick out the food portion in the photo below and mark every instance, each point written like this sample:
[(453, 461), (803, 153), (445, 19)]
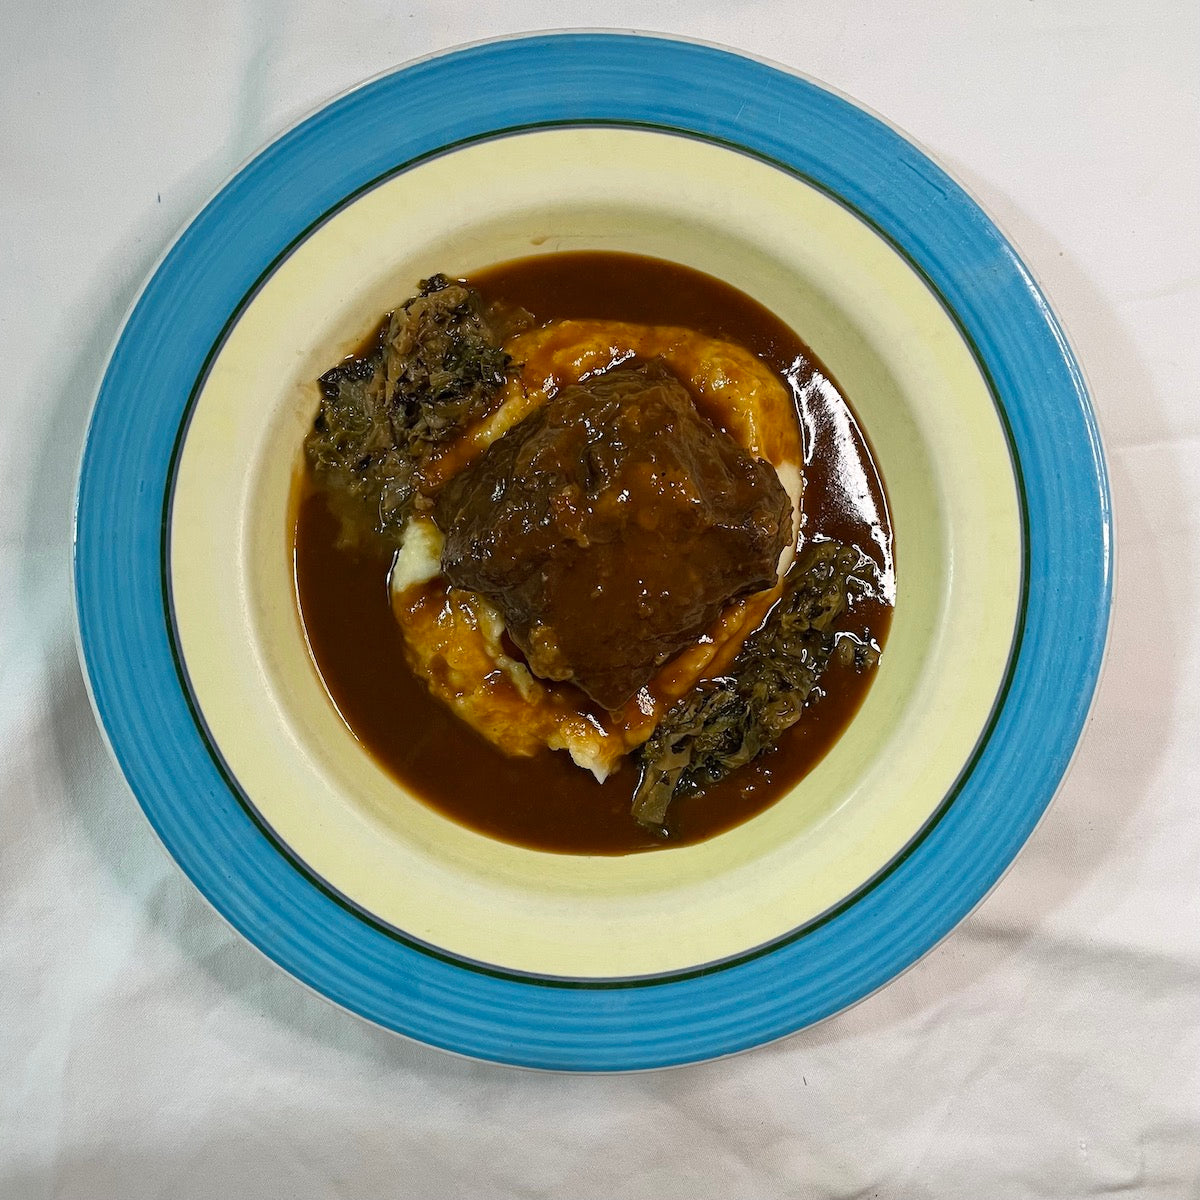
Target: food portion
[(595, 536), (437, 365), (726, 722), (611, 527), (453, 637)]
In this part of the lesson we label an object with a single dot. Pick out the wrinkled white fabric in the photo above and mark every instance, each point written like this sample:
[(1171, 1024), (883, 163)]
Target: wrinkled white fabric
[(1050, 1048)]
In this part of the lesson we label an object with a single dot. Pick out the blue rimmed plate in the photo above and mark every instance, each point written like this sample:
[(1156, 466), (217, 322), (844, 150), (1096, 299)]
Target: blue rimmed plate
[(920, 309)]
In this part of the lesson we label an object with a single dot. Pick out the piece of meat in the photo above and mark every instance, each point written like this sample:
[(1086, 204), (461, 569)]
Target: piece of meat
[(611, 527)]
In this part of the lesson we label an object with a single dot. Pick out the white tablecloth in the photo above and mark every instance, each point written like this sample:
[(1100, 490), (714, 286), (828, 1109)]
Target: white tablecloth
[(1051, 1047)]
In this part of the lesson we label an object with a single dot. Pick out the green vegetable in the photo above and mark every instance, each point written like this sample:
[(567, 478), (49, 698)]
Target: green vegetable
[(724, 723), (438, 367)]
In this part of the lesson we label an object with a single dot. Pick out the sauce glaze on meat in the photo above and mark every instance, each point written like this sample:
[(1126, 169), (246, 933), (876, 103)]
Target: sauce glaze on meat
[(611, 527)]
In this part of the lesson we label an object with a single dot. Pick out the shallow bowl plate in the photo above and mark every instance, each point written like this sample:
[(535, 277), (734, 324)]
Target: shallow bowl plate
[(917, 306)]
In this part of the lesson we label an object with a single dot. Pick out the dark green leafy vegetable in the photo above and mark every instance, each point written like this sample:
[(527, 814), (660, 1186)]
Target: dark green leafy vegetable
[(438, 367), (724, 723)]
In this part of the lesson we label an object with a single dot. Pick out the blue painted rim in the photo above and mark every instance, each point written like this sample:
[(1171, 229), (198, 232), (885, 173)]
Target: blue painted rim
[(180, 320)]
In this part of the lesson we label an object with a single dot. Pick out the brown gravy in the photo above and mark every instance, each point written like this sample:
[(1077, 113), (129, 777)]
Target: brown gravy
[(546, 801)]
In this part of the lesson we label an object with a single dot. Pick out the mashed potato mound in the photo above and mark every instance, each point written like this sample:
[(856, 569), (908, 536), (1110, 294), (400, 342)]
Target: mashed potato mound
[(454, 640)]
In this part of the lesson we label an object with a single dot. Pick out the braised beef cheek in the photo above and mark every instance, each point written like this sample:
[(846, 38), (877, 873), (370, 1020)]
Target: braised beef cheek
[(611, 527)]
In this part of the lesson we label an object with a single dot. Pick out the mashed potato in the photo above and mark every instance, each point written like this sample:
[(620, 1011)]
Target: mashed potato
[(454, 640)]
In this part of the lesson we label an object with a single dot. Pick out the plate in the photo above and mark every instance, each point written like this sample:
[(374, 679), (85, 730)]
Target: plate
[(920, 309)]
